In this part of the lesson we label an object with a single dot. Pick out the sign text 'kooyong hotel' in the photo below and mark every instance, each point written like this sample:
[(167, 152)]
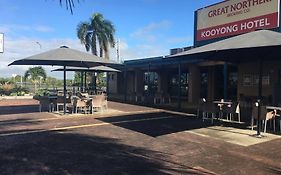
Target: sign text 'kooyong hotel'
[(234, 17)]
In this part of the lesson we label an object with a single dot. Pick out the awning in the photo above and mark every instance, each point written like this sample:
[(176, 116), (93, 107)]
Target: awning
[(250, 45)]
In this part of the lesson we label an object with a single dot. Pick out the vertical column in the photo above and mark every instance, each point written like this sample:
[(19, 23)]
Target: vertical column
[(179, 85), (194, 84), (125, 84), (259, 96), (139, 84), (211, 83), (159, 82), (81, 81), (225, 80), (85, 81), (64, 89)]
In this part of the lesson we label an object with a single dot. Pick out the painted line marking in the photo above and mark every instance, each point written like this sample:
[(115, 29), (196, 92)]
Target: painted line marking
[(83, 126)]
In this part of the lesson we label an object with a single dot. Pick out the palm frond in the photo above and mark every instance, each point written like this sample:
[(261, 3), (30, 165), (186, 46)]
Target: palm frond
[(69, 4)]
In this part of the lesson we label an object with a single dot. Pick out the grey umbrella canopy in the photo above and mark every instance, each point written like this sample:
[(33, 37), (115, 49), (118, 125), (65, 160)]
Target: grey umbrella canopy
[(64, 56), (91, 69), (258, 46)]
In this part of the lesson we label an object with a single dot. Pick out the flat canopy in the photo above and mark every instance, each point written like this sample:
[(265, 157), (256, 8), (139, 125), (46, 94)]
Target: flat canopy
[(244, 47), (64, 56), (91, 69)]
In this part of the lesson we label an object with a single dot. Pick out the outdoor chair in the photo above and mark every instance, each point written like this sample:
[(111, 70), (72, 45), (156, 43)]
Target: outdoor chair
[(80, 105), (277, 118), (99, 102), (139, 97), (231, 111), (158, 98), (209, 108), (200, 106), (82, 95), (265, 115), (59, 102)]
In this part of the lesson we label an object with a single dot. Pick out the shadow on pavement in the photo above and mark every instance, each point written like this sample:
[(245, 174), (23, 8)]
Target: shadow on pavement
[(4, 110), (157, 124), (15, 123), (66, 153)]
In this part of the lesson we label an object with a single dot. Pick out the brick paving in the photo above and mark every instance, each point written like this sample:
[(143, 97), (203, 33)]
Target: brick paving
[(131, 140)]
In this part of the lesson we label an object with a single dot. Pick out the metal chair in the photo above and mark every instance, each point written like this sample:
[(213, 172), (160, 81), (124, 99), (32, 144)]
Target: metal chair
[(264, 116), (231, 110), (99, 102), (209, 108)]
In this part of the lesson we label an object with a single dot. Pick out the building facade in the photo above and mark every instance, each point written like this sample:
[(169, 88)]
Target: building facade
[(181, 81)]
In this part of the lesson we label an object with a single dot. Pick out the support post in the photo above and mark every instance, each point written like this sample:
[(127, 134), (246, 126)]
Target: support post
[(107, 83), (125, 84), (81, 81), (149, 83), (64, 89), (85, 81), (259, 96), (95, 82), (179, 85), (225, 80)]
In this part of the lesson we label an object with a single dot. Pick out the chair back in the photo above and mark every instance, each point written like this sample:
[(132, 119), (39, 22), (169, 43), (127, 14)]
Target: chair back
[(263, 112)]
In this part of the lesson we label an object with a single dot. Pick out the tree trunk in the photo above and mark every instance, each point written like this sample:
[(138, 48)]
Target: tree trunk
[(101, 52), (94, 45)]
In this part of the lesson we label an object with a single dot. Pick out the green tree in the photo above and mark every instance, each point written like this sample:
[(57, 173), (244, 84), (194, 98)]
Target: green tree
[(35, 74), (97, 32)]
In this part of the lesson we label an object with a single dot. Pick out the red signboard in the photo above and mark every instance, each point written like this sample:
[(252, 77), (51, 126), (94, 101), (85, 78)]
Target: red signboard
[(235, 17)]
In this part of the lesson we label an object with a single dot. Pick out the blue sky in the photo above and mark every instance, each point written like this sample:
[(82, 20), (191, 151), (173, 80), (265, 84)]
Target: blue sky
[(146, 28)]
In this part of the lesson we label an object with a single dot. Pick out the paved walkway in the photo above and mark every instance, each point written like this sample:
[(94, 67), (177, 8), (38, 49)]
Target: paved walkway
[(128, 139)]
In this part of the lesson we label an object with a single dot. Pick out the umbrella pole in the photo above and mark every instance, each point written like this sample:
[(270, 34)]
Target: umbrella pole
[(85, 81), (64, 90), (81, 81)]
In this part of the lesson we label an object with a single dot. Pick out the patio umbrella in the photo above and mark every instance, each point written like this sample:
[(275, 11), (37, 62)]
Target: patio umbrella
[(64, 56), (253, 46), (91, 69)]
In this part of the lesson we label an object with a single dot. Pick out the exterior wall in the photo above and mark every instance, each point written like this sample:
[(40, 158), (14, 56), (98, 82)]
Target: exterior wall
[(162, 82), (194, 84), (112, 83), (139, 82), (130, 82), (250, 71)]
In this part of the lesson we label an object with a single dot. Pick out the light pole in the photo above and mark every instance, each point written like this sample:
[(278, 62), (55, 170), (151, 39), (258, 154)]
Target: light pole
[(14, 77)]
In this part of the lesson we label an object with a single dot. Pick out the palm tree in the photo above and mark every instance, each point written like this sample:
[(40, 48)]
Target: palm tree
[(97, 32), (35, 74)]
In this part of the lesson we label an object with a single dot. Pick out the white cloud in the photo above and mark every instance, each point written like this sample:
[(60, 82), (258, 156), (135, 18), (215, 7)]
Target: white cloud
[(146, 50), (24, 47), (41, 28), (13, 28), (150, 31)]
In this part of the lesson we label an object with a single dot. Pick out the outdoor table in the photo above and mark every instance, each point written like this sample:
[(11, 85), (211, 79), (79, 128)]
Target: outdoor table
[(220, 103), (51, 102), (273, 108)]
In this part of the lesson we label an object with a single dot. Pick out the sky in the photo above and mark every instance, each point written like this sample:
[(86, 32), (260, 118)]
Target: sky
[(145, 28)]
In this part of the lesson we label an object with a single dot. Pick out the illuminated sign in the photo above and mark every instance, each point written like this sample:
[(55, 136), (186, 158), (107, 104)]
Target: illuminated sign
[(234, 17), (1, 42)]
